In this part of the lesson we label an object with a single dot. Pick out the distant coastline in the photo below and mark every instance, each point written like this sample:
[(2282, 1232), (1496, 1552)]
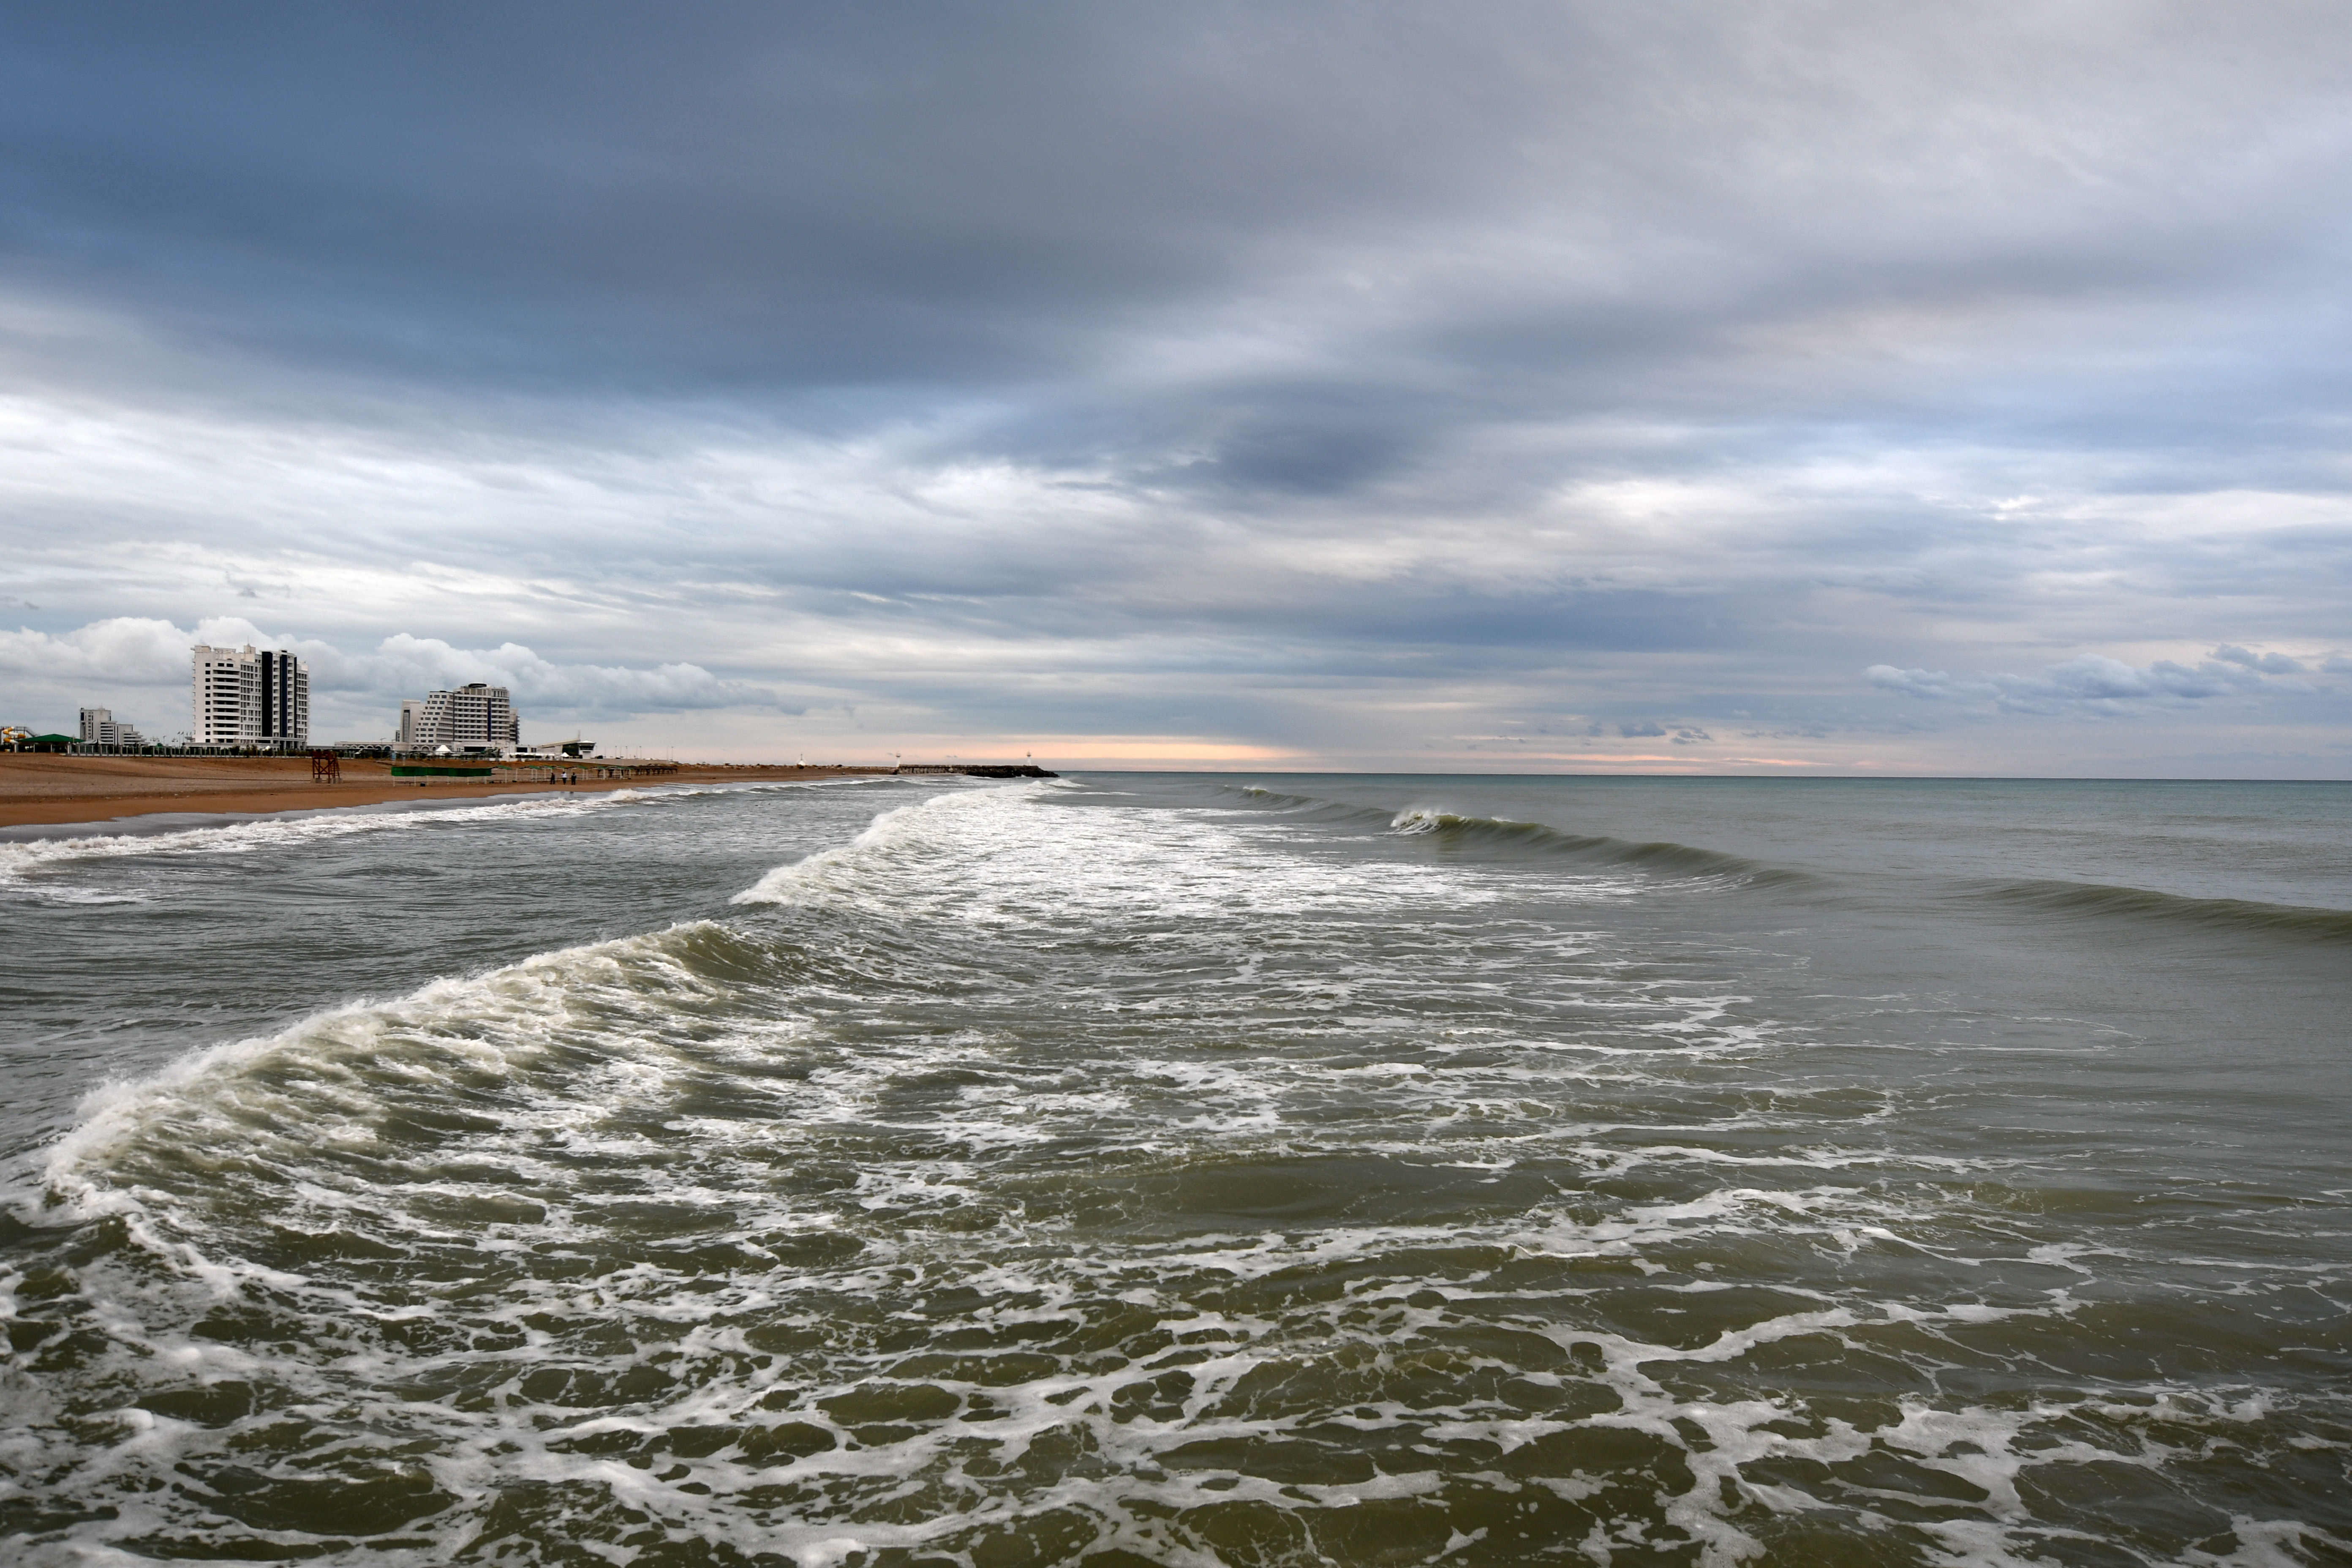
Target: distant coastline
[(70, 790)]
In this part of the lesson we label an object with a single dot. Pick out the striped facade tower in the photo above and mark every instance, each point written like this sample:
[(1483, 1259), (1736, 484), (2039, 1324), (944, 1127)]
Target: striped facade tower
[(248, 698)]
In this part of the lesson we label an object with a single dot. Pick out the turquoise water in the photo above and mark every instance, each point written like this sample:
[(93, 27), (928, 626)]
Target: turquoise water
[(1188, 1170)]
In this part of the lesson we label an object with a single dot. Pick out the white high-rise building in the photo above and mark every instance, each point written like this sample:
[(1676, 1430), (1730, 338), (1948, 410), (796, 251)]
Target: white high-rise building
[(474, 717), (100, 728), (245, 697)]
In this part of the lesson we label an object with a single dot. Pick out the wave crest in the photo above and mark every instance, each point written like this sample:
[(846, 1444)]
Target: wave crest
[(2095, 900), (1534, 837)]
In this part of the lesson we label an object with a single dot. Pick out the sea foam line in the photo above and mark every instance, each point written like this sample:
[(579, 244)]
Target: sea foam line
[(24, 858)]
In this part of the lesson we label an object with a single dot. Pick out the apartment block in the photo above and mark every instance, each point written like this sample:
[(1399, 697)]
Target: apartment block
[(245, 696), (100, 728), (474, 717)]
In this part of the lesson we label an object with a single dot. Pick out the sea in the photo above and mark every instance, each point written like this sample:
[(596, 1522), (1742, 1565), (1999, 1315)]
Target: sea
[(1139, 1169)]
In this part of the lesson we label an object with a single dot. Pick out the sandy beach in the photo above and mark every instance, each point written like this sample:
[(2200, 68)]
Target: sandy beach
[(38, 789)]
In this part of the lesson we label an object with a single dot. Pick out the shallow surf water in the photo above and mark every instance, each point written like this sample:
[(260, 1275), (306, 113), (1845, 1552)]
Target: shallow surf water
[(1158, 1169)]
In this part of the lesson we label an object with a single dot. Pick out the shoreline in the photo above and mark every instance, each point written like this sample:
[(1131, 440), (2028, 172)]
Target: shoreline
[(103, 793)]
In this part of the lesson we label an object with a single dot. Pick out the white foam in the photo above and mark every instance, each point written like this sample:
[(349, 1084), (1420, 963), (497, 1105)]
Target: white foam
[(25, 858), (981, 1045)]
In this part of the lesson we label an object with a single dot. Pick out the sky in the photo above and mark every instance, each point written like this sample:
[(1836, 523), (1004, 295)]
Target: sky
[(1779, 388)]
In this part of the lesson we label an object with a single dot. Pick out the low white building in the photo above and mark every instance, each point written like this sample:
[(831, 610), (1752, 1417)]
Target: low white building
[(100, 727), (245, 696)]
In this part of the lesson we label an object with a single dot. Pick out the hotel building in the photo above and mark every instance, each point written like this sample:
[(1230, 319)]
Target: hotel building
[(245, 697), (100, 727), (472, 718)]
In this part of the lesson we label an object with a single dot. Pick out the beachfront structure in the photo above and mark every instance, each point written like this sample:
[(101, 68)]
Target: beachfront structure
[(412, 717), (100, 727), (248, 697), (474, 717)]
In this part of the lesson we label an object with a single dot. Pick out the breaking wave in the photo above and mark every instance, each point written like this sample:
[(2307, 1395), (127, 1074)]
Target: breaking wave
[(1026, 1180), (1679, 859)]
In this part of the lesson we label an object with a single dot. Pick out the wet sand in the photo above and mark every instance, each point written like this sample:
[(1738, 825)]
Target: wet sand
[(46, 789)]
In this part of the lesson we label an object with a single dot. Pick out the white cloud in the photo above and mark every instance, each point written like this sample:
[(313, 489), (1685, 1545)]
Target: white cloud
[(130, 651), (406, 663), (1381, 383), (126, 649)]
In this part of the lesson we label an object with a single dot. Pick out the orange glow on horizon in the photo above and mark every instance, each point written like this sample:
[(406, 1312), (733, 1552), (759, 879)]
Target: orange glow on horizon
[(1076, 750)]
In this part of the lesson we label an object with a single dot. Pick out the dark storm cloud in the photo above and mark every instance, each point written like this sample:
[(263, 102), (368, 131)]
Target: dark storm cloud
[(1523, 359), (943, 193), (925, 193)]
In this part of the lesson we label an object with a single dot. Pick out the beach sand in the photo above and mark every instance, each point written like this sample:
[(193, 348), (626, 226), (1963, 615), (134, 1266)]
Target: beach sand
[(45, 789)]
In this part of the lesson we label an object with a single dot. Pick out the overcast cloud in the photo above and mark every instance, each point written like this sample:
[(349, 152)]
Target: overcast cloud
[(1785, 387)]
